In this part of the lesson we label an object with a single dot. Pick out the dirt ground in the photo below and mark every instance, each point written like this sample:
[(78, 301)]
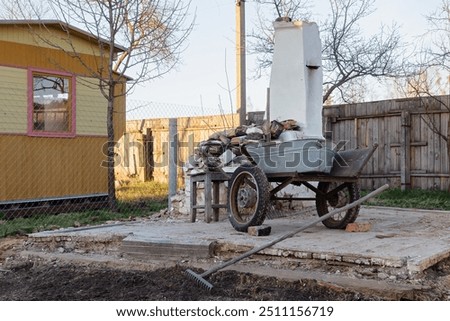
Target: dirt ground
[(50, 277)]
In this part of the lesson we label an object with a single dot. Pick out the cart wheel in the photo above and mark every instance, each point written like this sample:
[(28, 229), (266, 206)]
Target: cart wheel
[(248, 197), (345, 194)]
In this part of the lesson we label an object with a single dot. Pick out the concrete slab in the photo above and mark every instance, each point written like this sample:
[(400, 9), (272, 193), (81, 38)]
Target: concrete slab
[(147, 247), (398, 238)]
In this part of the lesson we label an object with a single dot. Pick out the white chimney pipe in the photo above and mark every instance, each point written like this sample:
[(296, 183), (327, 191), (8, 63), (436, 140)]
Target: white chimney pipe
[(296, 77)]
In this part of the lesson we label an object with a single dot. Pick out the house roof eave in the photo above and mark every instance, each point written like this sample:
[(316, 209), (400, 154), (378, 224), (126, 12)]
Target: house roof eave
[(64, 26)]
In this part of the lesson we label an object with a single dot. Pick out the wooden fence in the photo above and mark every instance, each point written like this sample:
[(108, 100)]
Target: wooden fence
[(410, 153), (143, 151)]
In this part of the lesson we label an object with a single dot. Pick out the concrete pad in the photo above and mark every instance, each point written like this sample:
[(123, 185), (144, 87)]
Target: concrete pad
[(398, 238)]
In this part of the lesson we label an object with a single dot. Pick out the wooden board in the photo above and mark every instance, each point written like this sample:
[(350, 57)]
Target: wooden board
[(148, 248)]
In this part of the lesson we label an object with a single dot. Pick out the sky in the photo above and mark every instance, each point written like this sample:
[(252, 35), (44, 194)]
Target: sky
[(200, 82)]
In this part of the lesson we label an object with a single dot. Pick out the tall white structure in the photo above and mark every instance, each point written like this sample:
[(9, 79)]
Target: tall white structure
[(296, 79)]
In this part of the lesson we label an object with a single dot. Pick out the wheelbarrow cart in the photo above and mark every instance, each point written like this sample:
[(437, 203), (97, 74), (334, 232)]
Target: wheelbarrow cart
[(332, 176)]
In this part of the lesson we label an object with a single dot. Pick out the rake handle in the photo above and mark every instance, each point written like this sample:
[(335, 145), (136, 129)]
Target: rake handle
[(290, 234)]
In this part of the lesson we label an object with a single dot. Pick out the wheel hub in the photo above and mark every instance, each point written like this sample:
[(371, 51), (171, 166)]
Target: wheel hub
[(340, 199), (246, 198)]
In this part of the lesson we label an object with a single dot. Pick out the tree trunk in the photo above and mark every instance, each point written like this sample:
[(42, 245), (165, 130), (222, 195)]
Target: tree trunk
[(112, 202)]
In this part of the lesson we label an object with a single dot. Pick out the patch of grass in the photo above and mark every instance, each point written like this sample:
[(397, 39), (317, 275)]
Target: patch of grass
[(134, 200), (415, 198)]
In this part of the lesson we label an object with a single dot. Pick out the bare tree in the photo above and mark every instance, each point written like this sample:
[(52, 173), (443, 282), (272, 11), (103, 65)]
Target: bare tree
[(23, 9), (439, 52), (431, 78), (261, 40), (348, 56), (433, 60), (152, 34)]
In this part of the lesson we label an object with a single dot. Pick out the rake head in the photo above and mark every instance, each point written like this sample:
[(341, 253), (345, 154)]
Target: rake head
[(199, 279)]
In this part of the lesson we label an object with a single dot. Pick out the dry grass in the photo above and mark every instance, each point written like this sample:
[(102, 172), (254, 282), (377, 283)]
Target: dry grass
[(142, 191), (139, 199)]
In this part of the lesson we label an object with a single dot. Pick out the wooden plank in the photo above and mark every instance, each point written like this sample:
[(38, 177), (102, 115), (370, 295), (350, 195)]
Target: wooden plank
[(381, 147), (429, 155), (394, 135), (339, 133), (356, 131), (387, 144), (437, 151), (166, 248), (405, 149), (434, 175), (373, 132), (415, 137), (420, 161), (444, 154), (362, 133)]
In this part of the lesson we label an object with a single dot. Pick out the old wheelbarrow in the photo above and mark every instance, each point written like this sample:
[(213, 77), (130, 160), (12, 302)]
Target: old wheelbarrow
[(269, 167)]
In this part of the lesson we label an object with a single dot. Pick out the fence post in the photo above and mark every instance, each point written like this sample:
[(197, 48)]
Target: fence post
[(405, 156), (173, 158)]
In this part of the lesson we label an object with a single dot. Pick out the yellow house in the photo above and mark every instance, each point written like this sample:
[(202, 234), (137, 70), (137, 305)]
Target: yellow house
[(52, 115)]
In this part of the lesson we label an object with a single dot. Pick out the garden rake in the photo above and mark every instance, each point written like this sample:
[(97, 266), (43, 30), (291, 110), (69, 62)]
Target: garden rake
[(200, 278)]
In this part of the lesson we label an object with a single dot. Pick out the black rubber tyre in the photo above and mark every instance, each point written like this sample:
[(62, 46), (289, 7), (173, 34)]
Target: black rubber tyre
[(248, 197), (324, 204)]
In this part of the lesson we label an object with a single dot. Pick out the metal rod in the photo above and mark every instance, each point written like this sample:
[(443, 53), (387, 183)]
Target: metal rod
[(281, 186), (293, 198)]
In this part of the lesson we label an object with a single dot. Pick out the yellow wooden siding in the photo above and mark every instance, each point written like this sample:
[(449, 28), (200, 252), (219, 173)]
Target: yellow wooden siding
[(21, 55), (46, 38), (13, 100), (119, 117), (36, 167), (91, 110)]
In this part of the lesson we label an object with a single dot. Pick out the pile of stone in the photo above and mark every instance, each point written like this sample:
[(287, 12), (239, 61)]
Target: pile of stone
[(221, 147), (242, 134)]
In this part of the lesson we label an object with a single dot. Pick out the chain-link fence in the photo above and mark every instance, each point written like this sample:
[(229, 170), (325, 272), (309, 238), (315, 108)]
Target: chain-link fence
[(53, 149), (144, 151)]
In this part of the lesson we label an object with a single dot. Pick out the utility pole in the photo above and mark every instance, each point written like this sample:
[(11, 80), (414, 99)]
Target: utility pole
[(241, 91)]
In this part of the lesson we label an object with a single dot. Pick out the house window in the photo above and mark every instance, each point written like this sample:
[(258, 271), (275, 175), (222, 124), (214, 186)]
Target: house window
[(52, 104)]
